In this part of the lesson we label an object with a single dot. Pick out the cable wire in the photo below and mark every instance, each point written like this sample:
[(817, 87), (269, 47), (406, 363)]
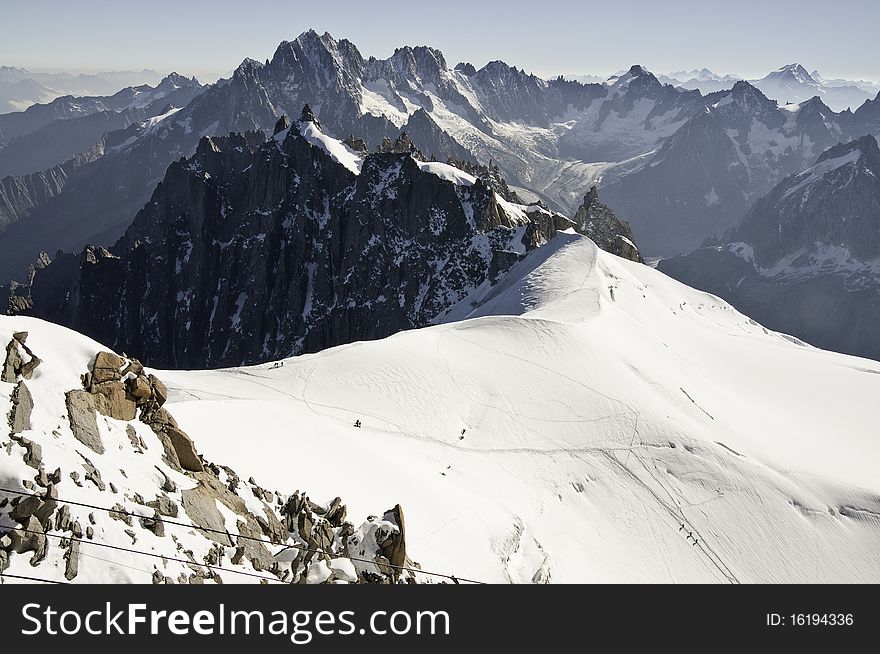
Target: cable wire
[(42, 581), (119, 548), (169, 521)]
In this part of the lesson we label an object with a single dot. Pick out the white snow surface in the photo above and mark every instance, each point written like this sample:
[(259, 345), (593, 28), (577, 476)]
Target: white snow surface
[(573, 423), (594, 428), (337, 150), (447, 172)]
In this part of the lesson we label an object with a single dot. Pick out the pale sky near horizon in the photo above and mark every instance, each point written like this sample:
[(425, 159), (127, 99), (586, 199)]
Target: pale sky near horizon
[(546, 37)]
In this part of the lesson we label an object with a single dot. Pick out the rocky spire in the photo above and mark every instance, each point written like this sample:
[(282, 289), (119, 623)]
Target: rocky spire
[(309, 117), (283, 123), (597, 221)]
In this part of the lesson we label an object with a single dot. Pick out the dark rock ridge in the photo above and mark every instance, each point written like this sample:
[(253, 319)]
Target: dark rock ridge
[(806, 258), (836, 201), (253, 250), (491, 176), (597, 220)]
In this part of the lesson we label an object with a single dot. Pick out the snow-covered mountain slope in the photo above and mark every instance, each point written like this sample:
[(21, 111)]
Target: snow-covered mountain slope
[(588, 419), (793, 84), (703, 80), (702, 179), (99, 484)]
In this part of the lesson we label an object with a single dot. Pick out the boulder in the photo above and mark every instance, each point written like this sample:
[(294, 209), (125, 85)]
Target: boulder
[(160, 391), (111, 400), (81, 414), (107, 367), (12, 363), (185, 450), (22, 406), (200, 506), (159, 419), (27, 506), (30, 538), (34, 453), (164, 506), (71, 569), (139, 388), (395, 548), (133, 367), (27, 369)]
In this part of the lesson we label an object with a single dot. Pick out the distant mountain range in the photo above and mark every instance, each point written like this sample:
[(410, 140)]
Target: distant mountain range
[(46, 134), (679, 165), (20, 88), (790, 84), (806, 258)]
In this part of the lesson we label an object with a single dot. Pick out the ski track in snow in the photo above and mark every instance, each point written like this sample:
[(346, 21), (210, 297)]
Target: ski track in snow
[(552, 433), (656, 497)]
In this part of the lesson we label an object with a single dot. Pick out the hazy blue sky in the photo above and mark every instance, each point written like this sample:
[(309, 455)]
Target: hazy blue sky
[(748, 37)]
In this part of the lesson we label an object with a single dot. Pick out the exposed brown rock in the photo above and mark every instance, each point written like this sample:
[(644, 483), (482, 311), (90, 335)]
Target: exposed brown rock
[(22, 406), (107, 367), (71, 568), (12, 363), (185, 450), (81, 415), (394, 548), (112, 401), (160, 391), (139, 388)]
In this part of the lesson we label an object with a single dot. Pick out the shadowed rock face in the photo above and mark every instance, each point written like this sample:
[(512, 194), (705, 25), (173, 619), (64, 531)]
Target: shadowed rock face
[(836, 201), (597, 220), (805, 259), (254, 250)]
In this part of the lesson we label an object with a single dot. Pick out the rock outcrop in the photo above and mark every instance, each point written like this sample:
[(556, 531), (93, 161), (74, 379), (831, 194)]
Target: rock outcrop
[(255, 250), (597, 221), (209, 526)]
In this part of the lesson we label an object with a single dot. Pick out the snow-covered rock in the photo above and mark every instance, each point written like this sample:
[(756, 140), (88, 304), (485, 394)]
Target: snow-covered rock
[(110, 489)]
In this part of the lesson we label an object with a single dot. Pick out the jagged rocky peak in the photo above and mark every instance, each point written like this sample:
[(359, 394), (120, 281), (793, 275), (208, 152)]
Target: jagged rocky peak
[(634, 73), (794, 72), (420, 63), (321, 248), (833, 203), (403, 144), (868, 149), (466, 68), (308, 116), (597, 221), (750, 98), (282, 124), (174, 81), (319, 57), (248, 68), (490, 175), (356, 144)]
